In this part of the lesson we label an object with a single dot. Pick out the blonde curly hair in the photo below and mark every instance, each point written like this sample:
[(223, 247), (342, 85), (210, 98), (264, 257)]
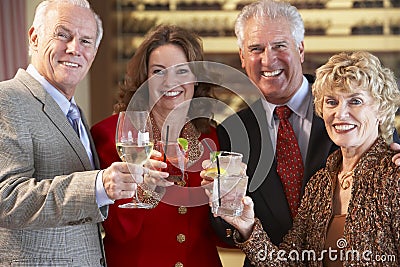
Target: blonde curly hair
[(354, 71)]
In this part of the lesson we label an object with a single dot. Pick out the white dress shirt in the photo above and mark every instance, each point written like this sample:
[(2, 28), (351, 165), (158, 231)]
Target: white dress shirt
[(301, 119)]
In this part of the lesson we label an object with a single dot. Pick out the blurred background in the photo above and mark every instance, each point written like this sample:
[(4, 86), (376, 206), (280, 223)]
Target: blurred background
[(331, 26)]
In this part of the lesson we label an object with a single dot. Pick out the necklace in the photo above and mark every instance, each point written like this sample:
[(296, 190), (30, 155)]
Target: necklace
[(190, 133), (346, 179)]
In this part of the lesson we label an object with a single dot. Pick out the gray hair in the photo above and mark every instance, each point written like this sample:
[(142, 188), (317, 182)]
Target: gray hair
[(271, 9), (41, 10)]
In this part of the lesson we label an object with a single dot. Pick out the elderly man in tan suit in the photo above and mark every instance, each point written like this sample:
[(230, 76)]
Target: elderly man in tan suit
[(51, 198)]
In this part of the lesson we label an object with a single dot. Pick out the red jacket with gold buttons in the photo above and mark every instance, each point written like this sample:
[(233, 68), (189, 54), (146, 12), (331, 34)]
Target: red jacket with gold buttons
[(175, 234)]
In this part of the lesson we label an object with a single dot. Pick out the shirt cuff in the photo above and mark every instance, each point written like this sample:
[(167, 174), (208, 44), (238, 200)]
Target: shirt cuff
[(101, 196)]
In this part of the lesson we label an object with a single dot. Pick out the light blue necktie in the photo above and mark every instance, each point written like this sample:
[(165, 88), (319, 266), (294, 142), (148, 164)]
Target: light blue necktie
[(73, 116)]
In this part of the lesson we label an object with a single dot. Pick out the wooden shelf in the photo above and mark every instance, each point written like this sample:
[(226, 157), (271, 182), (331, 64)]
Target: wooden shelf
[(337, 23), (313, 44), (129, 21)]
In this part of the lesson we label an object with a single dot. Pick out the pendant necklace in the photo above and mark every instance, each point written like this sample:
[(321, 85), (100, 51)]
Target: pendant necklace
[(346, 179)]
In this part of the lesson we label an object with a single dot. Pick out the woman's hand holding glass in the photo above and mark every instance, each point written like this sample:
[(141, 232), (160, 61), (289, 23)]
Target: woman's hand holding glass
[(153, 177), (245, 222)]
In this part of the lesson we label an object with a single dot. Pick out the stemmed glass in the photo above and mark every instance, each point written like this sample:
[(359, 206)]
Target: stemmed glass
[(134, 142)]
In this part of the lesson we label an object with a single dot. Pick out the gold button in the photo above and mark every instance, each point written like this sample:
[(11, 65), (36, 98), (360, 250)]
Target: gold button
[(147, 194), (181, 238), (182, 210), (179, 264)]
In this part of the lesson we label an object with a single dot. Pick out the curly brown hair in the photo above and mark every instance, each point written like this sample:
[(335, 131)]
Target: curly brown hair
[(137, 69)]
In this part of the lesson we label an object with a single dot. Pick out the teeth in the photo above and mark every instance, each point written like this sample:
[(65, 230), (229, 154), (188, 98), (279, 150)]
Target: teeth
[(172, 93), (273, 73), (69, 64), (344, 127)]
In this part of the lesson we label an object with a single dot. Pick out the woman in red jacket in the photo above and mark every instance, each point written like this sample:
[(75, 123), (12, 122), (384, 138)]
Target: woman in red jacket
[(176, 232)]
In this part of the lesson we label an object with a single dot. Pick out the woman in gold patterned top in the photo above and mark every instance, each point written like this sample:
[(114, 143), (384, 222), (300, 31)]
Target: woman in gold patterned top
[(350, 212), (177, 232)]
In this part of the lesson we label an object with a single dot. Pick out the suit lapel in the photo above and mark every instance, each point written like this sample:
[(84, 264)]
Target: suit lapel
[(96, 160), (260, 146), (56, 116), (265, 181)]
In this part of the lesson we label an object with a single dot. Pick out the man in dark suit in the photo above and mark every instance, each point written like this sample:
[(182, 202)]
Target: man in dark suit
[(271, 46)]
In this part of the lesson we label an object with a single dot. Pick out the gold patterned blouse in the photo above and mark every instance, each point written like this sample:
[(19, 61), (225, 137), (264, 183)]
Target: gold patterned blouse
[(372, 227), (190, 133)]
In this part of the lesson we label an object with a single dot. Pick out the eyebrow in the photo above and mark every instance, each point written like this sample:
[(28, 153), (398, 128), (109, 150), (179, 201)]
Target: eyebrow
[(61, 27), (70, 32), (255, 45), (352, 95), (270, 43), (356, 94), (186, 64), (157, 65), (279, 42)]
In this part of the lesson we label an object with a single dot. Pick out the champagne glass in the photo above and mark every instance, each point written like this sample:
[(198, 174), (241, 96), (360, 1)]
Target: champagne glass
[(134, 141)]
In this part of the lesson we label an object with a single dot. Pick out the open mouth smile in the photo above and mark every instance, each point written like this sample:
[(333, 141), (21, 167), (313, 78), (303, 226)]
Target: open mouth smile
[(172, 93), (70, 64), (271, 73), (344, 127)]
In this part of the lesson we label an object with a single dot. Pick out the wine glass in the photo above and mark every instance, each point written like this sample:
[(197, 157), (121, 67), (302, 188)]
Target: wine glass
[(134, 141)]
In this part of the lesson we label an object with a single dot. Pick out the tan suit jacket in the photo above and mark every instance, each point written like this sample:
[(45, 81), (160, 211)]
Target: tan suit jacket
[(48, 210)]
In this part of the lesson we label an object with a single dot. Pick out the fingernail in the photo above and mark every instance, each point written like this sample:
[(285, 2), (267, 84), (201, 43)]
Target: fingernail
[(163, 165), (157, 153)]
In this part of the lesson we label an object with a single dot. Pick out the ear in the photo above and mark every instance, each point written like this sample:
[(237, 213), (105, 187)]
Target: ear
[(242, 58), (33, 38), (301, 51)]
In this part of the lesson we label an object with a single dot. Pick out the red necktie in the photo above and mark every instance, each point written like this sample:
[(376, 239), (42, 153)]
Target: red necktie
[(288, 157)]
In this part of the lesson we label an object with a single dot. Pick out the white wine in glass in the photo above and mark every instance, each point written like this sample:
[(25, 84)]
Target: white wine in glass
[(134, 142), (133, 153)]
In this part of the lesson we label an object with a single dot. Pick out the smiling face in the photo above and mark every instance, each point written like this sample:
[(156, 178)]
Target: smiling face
[(272, 59), (169, 86), (64, 49), (351, 119)]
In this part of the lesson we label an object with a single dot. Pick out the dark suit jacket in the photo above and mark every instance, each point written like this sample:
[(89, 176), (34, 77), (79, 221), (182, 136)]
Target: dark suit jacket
[(247, 132)]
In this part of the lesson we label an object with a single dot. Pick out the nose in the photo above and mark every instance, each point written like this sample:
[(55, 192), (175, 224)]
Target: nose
[(171, 79), (267, 57), (342, 111), (73, 47)]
